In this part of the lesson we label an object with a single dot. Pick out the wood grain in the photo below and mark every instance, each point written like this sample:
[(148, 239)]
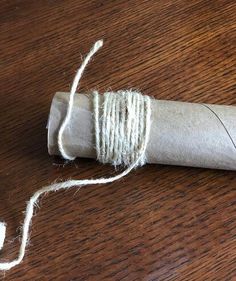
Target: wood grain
[(160, 222)]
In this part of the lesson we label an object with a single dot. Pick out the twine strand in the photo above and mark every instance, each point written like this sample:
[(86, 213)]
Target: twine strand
[(119, 126)]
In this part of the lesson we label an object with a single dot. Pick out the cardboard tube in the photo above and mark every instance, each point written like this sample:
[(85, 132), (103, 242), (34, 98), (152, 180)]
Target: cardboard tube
[(185, 134)]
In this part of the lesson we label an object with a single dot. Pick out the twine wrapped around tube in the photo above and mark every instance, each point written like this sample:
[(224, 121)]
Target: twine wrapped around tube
[(122, 127), (181, 133)]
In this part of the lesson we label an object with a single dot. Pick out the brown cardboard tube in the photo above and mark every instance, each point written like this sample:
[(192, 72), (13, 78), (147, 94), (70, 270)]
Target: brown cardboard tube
[(185, 134)]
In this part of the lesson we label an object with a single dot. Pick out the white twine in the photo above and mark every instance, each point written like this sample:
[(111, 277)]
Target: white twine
[(122, 127), (2, 233)]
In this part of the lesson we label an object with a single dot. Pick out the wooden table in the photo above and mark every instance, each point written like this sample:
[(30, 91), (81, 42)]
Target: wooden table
[(160, 222)]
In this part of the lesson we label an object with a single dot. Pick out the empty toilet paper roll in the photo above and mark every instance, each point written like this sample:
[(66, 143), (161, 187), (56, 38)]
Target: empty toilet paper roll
[(186, 134)]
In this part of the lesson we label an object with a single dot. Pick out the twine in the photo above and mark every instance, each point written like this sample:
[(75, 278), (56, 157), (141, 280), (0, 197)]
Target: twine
[(122, 126)]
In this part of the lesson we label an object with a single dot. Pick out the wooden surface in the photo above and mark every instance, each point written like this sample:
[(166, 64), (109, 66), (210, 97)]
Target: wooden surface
[(160, 222)]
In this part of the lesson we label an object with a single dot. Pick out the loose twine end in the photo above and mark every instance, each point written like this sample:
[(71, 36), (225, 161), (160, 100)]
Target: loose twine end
[(2, 234)]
